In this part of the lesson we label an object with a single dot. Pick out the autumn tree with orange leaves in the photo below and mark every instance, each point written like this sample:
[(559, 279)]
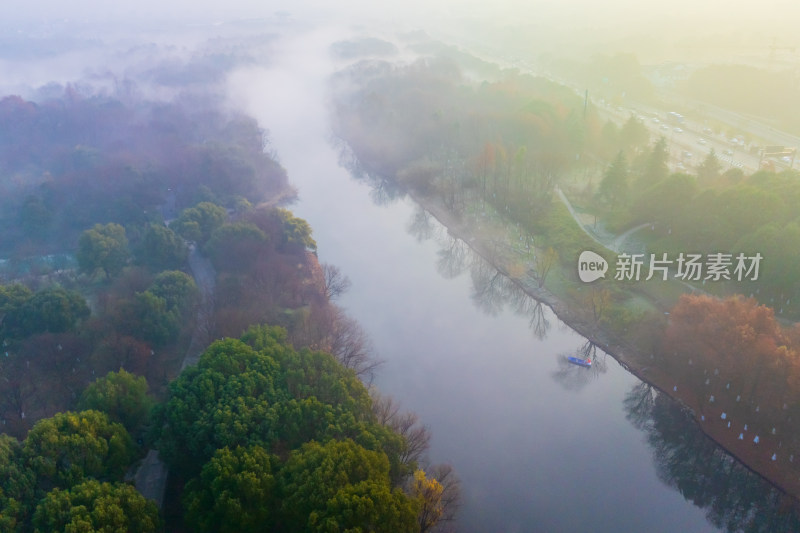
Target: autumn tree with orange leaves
[(736, 345)]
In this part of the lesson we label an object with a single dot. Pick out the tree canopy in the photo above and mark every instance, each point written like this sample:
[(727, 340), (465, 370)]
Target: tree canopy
[(235, 492), (17, 484), (53, 310), (161, 248), (64, 450), (103, 247), (120, 395), (322, 485), (199, 222), (284, 437), (614, 185), (96, 507), (296, 231)]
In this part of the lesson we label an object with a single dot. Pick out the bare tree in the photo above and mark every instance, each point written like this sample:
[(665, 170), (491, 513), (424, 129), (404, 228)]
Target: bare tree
[(544, 261), (336, 283), (417, 436), (451, 496), (351, 346), (538, 321)]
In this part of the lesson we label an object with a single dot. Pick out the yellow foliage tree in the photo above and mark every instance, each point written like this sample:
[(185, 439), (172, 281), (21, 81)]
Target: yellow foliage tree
[(429, 494)]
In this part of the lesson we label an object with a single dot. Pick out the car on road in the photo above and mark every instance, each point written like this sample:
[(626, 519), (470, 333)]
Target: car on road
[(686, 154), (701, 141), (678, 130)]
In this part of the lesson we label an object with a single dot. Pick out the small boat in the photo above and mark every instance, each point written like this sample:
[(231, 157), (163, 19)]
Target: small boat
[(580, 362)]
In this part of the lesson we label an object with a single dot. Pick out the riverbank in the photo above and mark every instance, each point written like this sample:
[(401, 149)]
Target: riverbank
[(756, 456)]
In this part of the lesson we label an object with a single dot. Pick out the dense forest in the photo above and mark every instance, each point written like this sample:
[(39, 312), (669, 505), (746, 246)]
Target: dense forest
[(167, 218)]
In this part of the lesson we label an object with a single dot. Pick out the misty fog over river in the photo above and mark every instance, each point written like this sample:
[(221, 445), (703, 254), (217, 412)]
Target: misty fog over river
[(539, 445)]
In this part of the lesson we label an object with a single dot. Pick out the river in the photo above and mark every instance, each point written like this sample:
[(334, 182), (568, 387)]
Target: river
[(539, 445)]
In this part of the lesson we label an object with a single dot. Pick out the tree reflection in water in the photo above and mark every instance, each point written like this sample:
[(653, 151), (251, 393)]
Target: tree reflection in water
[(383, 190), (492, 291), (574, 377), (734, 498)]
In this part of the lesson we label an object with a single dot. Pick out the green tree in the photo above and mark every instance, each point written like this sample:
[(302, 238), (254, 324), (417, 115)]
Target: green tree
[(367, 506), (69, 447), (235, 247), (149, 318), (709, 169), (104, 247), (199, 222), (665, 202), (94, 506), (633, 134), (53, 310), (224, 401), (235, 492), (783, 268), (12, 298), (741, 209), (614, 186), (16, 485), (161, 248), (177, 288), (296, 231), (267, 394), (655, 168), (122, 396), (317, 475)]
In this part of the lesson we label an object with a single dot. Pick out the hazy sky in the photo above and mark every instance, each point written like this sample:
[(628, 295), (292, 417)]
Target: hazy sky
[(731, 30), (609, 10)]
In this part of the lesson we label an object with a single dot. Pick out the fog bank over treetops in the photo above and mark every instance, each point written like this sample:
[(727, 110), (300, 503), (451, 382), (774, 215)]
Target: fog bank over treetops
[(680, 30)]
